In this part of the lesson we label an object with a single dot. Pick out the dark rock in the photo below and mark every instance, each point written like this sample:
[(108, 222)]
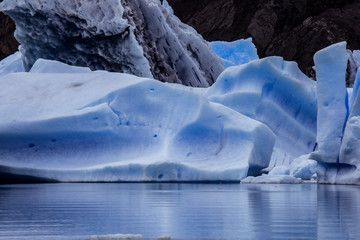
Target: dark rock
[(293, 29), (136, 37), (8, 43)]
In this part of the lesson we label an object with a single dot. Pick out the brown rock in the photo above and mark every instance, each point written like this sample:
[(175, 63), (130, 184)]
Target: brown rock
[(293, 29), (8, 43)]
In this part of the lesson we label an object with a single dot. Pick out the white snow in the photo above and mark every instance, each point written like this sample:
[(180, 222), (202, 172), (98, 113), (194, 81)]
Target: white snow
[(101, 126), (235, 53), (276, 93)]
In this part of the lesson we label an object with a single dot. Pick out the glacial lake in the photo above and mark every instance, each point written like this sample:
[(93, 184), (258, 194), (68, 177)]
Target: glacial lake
[(182, 211)]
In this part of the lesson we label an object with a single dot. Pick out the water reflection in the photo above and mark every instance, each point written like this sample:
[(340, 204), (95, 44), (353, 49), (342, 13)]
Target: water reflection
[(282, 211), (338, 212), (183, 211)]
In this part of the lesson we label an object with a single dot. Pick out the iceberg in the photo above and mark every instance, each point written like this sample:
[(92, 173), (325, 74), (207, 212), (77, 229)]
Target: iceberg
[(276, 93), (83, 126), (125, 237), (117, 237), (235, 53), (11, 64), (272, 179), (333, 111), (349, 164), (330, 66), (303, 167), (137, 37)]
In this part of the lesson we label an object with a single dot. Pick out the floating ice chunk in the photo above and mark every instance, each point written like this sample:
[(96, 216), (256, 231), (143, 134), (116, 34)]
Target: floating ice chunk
[(303, 167), (101, 126), (276, 93), (272, 179), (125, 237), (12, 63), (117, 237), (235, 53), (330, 65)]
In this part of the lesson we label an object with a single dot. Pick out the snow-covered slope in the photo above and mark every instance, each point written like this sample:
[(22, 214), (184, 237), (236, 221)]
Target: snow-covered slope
[(139, 37), (100, 126)]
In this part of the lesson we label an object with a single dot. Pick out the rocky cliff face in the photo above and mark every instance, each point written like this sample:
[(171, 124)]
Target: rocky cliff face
[(138, 37), (293, 29), (8, 43)]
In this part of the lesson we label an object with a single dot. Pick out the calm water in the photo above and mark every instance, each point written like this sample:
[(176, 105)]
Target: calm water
[(183, 211)]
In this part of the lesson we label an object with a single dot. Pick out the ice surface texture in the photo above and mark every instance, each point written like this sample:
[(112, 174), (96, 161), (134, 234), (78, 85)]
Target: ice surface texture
[(139, 37), (330, 65), (276, 93), (11, 64), (235, 53), (338, 119), (66, 123), (101, 126)]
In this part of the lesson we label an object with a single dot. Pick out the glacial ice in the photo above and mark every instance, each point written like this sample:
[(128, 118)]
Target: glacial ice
[(330, 66), (99, 126), (138, 37), (125, 237), (349, 149), (117, 237), (272, 179), (303, 167), (276, 93), (235, 53), (11, 64), (280, 170), (338, 119), (67, 123)]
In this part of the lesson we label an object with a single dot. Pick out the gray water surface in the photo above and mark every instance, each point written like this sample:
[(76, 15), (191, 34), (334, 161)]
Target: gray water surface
[(182, 211)]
